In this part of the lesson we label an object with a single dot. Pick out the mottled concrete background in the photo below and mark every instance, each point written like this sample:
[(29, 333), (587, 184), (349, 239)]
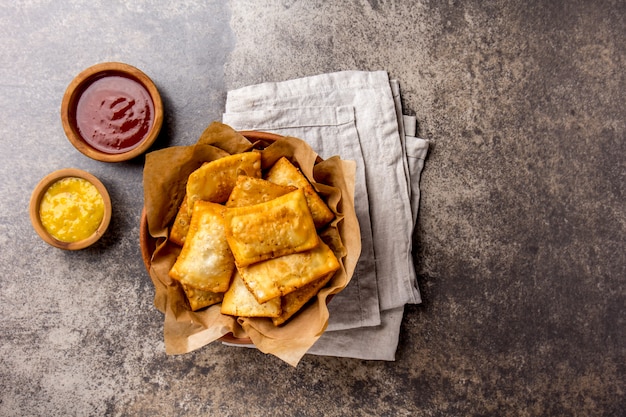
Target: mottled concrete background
[(519, 244)]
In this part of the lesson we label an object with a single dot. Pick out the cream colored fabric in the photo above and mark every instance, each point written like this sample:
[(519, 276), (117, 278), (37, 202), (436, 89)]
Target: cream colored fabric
[(356, 115)]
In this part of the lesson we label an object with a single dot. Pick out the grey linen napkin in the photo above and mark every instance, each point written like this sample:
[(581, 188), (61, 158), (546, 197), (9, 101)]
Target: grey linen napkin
[(358, 116)]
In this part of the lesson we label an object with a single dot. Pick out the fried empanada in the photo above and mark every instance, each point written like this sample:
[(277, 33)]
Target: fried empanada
[(285, 274), (238, 301), (267, 230), (294, 301), (285, 173), (205, 262), (250, 190), (215, 180), (180, 227), (199, 298)]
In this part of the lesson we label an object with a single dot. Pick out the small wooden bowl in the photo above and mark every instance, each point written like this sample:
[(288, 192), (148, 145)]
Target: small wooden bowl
[(78, 87), (41, 189)]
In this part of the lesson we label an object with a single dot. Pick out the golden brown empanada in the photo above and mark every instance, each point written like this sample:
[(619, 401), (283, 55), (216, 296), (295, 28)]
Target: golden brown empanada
[(285, 274), (267, 230), (199, 299), (285, 173), (250, 190), (294, 301), (180, 227), (215, 180), (205, 262), (238, 301)]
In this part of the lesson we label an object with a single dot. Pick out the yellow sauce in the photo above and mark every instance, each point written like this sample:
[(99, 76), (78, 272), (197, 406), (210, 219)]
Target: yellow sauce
[(71, 209)]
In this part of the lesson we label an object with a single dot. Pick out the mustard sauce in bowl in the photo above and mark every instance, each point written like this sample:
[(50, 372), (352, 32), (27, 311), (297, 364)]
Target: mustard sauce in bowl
[(70, 209)]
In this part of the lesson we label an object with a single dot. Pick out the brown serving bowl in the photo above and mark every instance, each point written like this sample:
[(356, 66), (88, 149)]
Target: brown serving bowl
[(40, 191), (112, 112)]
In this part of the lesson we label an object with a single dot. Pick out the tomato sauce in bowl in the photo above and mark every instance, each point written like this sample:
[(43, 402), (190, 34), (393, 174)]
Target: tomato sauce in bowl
[(112, 112)]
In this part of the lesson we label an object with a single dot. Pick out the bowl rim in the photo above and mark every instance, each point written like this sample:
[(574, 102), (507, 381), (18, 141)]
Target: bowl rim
[(40, 190), (73, 91)]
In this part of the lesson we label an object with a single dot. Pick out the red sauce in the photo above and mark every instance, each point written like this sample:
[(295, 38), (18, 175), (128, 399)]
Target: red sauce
[(114, 114)]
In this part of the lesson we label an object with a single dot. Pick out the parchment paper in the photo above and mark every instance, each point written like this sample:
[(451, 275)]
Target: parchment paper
[(165, 176)]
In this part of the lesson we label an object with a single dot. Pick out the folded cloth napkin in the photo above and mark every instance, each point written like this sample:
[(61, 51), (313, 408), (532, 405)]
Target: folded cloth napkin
[(358, 116)]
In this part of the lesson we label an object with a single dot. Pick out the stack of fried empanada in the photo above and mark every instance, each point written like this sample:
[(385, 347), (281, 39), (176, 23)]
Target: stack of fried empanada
[(251, 242)]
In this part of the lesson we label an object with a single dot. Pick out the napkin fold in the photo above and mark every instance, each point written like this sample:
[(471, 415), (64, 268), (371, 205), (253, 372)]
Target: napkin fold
[(358, 116)]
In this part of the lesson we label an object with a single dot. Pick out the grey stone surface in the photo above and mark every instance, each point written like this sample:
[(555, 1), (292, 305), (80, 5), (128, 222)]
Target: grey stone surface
[(519, 244)]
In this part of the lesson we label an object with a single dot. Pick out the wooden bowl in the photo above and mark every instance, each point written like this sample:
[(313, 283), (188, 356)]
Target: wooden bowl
[(112, 112), (38, 194)]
